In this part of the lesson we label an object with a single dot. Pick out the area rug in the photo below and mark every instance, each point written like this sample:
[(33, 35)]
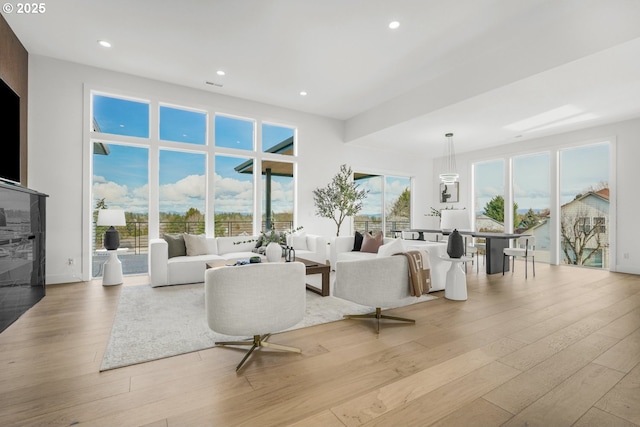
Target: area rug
[(154, 323)]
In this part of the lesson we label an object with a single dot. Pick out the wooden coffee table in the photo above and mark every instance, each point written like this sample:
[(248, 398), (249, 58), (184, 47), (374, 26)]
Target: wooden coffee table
[(313, 267)]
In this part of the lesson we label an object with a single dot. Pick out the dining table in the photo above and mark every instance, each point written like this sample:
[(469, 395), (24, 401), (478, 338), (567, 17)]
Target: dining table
[(495, 243)]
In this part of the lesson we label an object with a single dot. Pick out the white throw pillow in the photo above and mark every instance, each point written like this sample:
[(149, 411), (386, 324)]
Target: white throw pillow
[(196, 244), (391, 248), (299, 242)]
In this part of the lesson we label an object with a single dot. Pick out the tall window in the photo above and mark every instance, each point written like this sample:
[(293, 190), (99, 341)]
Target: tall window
[(182, 192), (489, 195), (370, 216), (233, 196), (397, 196), (120, 179), (387, 206), (584, 211), (197, 183), (532, 199), (277, 195)]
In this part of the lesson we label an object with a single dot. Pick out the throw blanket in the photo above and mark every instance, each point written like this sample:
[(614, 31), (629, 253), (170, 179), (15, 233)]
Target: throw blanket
[(419, 272)]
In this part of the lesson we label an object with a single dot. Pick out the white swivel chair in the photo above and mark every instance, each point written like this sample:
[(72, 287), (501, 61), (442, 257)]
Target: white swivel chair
[(525, 248), (255, 300), (378, 282)]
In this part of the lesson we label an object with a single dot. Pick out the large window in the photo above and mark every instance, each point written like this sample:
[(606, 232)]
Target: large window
[(175, 179), (370, 216), (120, 181), (277, 195), (570, 228), (182, 192), (387, 206), (489, 195), (397, 196), (584, 211), (233, 202), (532, 200)]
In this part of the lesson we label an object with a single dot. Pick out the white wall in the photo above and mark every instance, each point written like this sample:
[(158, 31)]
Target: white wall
[(56, 144), (624, 184)]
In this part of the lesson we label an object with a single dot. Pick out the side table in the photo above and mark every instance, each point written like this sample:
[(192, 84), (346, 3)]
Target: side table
[(456, 285), (112, 268)]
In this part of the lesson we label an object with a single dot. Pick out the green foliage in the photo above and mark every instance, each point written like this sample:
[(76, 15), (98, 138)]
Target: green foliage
[(401, 208), (495, 209), (340, 199), (528, 220)]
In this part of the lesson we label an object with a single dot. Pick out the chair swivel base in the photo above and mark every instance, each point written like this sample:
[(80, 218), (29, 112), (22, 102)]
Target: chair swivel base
[(378, 315), (258, 341)]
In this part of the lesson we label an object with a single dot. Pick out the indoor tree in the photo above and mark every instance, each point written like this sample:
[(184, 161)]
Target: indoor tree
[(340, 199)]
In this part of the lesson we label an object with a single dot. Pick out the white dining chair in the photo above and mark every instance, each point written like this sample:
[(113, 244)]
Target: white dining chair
[(525, 248)]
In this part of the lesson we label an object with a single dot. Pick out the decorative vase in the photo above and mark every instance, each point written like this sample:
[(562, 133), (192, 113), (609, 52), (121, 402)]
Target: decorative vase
[(273, 252), (455, 247)]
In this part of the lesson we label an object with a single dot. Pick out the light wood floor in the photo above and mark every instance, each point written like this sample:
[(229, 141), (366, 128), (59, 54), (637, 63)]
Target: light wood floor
[(560, 349)]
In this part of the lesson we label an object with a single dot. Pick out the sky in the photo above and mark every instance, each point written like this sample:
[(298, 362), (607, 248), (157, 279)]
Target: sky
[(393, 187), (580, 168), (121, 177)]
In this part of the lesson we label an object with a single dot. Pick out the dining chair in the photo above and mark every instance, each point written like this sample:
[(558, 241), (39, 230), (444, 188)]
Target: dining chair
[(475, 247), (525, 248)]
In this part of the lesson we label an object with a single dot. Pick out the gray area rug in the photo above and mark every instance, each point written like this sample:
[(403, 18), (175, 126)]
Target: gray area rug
[(154, 323)]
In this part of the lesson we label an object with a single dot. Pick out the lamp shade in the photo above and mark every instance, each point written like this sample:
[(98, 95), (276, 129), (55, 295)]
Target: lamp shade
[(111, 217), (451, 219)]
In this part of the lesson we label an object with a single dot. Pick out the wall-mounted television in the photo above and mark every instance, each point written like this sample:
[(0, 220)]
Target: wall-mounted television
[(9, 133)]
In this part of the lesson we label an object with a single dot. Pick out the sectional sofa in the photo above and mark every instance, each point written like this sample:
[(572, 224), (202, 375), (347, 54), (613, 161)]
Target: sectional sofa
[(166, 269), (342, 251)]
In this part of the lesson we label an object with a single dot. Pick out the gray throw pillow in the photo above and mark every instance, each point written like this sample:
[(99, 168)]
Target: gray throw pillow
[(176, 245)]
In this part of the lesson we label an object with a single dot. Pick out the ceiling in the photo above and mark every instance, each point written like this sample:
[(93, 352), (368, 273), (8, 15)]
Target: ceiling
[(471, 67)]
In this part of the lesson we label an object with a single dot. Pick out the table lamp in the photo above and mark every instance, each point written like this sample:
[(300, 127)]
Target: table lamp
[(111, 218)]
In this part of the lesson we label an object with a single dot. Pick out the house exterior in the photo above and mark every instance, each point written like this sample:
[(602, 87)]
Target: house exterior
[(584, 228)]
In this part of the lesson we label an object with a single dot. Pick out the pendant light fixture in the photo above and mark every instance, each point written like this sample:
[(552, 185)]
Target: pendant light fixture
[(449, 173)]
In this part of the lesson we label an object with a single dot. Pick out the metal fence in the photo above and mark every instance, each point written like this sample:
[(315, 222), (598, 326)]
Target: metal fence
[(135, 235)]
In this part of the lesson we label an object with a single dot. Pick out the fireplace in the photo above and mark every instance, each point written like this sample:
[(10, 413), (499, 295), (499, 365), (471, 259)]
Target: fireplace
[(22, 250)]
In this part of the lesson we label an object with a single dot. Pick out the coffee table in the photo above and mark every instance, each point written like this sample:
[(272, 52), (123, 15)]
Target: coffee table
[(313, 267)]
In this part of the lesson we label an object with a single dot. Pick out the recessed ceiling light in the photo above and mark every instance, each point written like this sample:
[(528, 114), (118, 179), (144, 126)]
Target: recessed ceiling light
[(220, 73), (394, 24), (104, 43), (303, 93)]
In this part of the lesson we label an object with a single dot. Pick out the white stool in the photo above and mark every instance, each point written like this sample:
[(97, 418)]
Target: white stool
[(112, 268), (456, 286)]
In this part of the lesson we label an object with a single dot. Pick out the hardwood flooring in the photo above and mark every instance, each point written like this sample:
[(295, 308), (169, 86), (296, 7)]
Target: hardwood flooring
[(560, 349)]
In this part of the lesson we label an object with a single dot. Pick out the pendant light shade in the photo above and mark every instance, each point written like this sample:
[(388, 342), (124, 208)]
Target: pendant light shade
[(449, 173)]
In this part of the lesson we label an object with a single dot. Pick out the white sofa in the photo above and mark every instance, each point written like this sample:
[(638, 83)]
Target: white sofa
[(165, 271), (309, 246), (342, 251)]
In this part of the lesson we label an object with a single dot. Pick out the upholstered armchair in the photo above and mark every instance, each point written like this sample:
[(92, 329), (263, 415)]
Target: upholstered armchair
[(380, 283), (255, 300)]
